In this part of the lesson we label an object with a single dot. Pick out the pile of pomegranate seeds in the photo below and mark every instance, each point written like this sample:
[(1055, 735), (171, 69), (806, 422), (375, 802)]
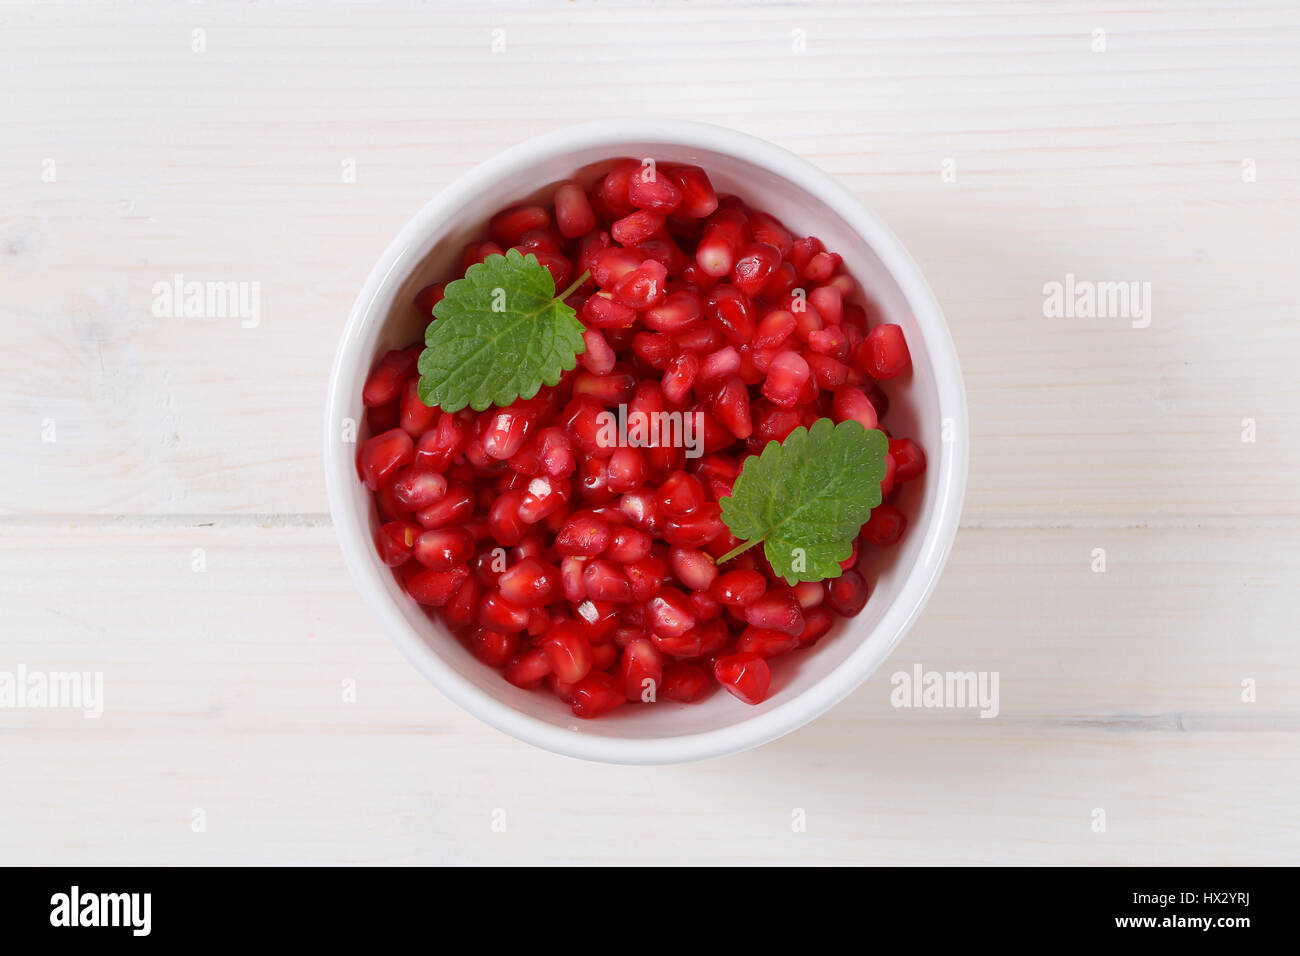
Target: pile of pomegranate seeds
[(588, 569)]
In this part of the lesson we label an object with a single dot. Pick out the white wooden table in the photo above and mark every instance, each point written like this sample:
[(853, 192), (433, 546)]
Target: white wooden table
[(1009, 144)]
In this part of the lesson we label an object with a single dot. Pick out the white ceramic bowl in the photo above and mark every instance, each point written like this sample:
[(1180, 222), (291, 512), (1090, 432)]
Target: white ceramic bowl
[(928, 404)]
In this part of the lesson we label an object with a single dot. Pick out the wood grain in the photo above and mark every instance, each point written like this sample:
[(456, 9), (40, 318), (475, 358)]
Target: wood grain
[(1120, 690)]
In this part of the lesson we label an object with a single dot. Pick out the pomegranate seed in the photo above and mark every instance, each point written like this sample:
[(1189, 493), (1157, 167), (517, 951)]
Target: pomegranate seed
[(416, 417), (628, 544), (543, 496), (884, 526), (723, 235), (642, 287), (600, 311), (612, 389), (776, 610), (603, 581), (530, 583), (438, 447), (821, 266), (460, 610), (785, 378), (693, 568), (573, 214), (641, 670), (817, 622), (809, 594), (528, 669), (754, 266), (697, 529), (444, 548), (381, 457), (415, 489), (765, 228), (452, 508), (597, 620), (387, 378), (766, 643), (828, 302), (851, 404), (777, 326), (498, 614), (436, 588), (684, 683), (567, 651), (729, 308), (637, 227), (698, 198), (646, 577), (739, 588), (596, 694), (597, 357), (909, 458), (668, 613), (884, 352), (509, 226), (847, 594), (492, 647), (677, 312), (680, 495), (504, 523), (583, 534), (745, 675), (827, 372), (428, 297), (731, 405), (396, 539), (627, 470), (718, 365), (649, 189)]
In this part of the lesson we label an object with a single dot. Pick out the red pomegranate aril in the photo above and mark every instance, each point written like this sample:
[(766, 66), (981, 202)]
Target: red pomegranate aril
[(705, 607), (603, 581), (650, 189), (642, 287), (680, 495), (573, 213), (723, 235), (626, 471), (508, 227), (646, 577), (641, 670), (765, 228), (459, 612), (558, 266), (530, 583), (438, 447), (776, 610), (698, 197), (543, 496), (416, 417), (428, 297), (642, 509), (730, 404), (596, 694), (598, 619), (884, 352), (612, 389), (504, 523), (598, 357), (809, 594), (555, 452), (684, 683), (387, 378), (739, 587), (668, 613), (847, 594), (415, 489), (719, 365), (909, 458), (774, 328), (821, 266), (637, 227), (696, 529), (492, 647), (780, 282), (746, 676), (383, 455), (583, 419), (436, 588), (583, 535), (829, 341), (396, 539), (885, 526), (765, 642), (817, 622), (678, 311), (444, 548), (829, 373), (693, 567), (600, 311), (731, 311), (452, 508), (498, 614), (680, 376), (507, 428), (828, 302), (567, 651), (528, 669), (754, 266), (850, 403), (609, 266), (786, 377), (627, 545)]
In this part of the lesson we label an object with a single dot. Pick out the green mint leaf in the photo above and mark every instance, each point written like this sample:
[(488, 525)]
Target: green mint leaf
[(499, 334), (807, 497)]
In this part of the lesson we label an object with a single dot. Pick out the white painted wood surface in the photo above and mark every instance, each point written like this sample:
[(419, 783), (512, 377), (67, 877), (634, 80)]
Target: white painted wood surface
[(128, 157)]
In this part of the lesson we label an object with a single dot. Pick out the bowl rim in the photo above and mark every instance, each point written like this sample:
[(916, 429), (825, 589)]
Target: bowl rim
[(353, 529)]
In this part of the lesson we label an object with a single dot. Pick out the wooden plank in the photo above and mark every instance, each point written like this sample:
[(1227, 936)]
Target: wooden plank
[(1119, 690)]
